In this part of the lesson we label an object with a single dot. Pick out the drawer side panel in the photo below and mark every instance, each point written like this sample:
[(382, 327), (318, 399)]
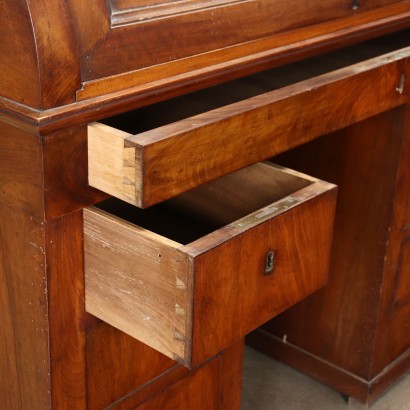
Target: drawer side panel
[(112, 165), (137, 283)]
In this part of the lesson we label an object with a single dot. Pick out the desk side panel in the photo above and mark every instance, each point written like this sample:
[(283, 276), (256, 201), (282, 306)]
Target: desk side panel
[(24, 359), (393, 332)]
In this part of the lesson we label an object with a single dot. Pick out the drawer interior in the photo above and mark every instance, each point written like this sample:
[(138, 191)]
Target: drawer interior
[(157, 115), (206, 256), (209, 207)]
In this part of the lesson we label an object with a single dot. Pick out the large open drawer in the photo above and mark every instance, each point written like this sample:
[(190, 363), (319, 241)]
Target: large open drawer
[(142, 161), (191, 275)]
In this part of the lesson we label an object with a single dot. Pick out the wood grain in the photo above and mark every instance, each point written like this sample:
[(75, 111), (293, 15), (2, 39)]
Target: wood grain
[(133, 97), (395, 300), (53, 54), (24, 360), (174, 385), (21, 180), (160, 40), (171, 38), (230, 281), (18, 62), (199, 391), (138, 282), (58, 73), (182, 155), (232, 371), (24, 350), (252, 56), (122, 371), (124, 14), (66, 173), (65, 272), (361, 329), (115, 168), (36, 70), (142, 283)]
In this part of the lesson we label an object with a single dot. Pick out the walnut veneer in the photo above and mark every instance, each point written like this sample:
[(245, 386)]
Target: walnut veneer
[(200, 90)]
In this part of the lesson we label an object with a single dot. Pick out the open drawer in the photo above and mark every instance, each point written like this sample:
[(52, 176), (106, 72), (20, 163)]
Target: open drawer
[(148, 155), (193, 274)]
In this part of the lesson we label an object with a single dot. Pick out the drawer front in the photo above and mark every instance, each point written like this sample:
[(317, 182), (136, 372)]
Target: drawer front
[(190, 300), (157, 164)]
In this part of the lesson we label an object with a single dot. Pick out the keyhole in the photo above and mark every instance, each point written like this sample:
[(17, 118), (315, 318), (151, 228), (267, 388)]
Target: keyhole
[(270, 262)]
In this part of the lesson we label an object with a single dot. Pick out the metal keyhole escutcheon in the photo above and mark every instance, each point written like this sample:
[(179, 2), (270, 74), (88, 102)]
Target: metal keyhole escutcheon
[(269, 262)]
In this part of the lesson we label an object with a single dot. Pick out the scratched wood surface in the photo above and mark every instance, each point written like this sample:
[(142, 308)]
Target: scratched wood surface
[(24, 349), (152, 287)]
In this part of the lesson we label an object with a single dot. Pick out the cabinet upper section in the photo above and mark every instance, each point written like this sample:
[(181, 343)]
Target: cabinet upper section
[(55, 52)]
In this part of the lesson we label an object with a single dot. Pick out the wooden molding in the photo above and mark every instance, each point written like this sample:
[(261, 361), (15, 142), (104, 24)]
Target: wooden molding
[(133, 12)]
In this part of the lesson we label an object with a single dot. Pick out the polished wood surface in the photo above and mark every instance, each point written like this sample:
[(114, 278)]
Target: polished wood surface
[(66, 311), (36, 70), (190, 300), (199, 391), (17, 48), (215, 386), (56, 60), (116, 371), (47, 343), (127, 166), (395, 301), (66, 173), (107, 39), (100, 57), (362, 326), (118, 377), (80, 112), (112, 61), (24, 351), (24, 355)]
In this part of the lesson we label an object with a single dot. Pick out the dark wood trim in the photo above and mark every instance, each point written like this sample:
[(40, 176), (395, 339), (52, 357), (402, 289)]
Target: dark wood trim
[(366, 391)]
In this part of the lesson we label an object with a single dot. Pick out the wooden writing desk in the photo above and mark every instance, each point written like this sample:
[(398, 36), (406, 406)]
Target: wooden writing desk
[(146, 102)]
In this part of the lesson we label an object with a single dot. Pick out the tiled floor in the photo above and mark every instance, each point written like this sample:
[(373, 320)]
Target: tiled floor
[(269, 385)]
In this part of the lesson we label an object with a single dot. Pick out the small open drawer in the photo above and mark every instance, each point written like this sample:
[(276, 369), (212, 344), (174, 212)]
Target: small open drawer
[(193, 274), (151, 154)]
